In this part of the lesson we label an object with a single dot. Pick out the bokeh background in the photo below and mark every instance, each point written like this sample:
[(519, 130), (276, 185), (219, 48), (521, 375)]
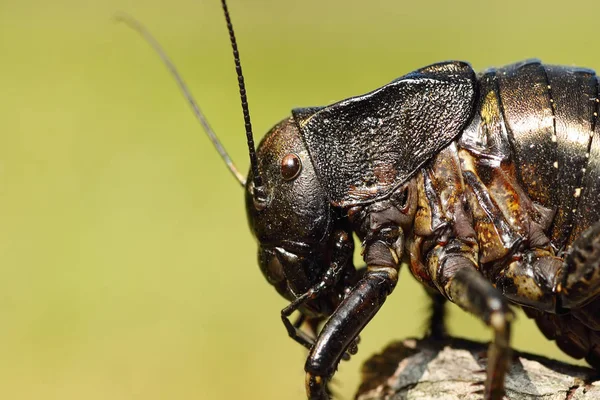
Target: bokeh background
[(127, 270)]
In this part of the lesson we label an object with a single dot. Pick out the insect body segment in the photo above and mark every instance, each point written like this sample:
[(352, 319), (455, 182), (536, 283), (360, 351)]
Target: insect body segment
[(487, 185), (365, 146)]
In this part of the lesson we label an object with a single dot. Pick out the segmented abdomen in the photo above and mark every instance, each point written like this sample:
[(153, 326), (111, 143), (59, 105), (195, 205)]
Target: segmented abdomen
[(550, 113), (550, 117), (540, 123)]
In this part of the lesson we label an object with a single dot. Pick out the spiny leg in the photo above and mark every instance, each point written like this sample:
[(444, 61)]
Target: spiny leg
[(581, 270)]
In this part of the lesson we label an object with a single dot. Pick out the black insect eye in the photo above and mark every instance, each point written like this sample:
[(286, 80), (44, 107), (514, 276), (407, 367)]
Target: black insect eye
[(290, 166)]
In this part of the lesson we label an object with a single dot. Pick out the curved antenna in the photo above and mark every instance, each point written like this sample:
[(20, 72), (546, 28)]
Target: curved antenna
[(258, 183), (138, 27)]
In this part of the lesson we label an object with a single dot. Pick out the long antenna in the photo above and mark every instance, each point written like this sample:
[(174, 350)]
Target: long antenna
[(258, 194), (138, 27)]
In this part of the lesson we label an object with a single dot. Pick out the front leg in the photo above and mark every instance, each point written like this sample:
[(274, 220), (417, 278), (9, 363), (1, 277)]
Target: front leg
[(348, 320), (354, 312)]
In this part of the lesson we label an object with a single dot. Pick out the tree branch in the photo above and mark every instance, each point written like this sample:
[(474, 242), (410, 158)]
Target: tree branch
[(455, 369)]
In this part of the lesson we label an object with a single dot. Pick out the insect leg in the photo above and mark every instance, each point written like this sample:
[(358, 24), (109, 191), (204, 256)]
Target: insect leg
[(436, 326), (531, 279), (452, 264), (581, 270), (357, 308), (472, 292), (351, 316)]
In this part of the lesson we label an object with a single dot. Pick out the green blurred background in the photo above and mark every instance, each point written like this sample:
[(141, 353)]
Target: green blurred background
[(127, 267)]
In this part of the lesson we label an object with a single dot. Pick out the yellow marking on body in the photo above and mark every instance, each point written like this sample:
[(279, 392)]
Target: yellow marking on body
[(555, 164), (489, 110), (577, 192), (394, 255)]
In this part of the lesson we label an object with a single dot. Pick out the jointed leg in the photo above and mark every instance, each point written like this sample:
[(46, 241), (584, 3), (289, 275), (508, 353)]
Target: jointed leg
[(308, 336), (531, 279), (340, 333), (344, 326), (535, 278), (436, 326), (451, 264), (471, 291)]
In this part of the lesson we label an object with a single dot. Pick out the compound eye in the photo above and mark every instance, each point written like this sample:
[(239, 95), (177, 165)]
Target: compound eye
[(290, 166)]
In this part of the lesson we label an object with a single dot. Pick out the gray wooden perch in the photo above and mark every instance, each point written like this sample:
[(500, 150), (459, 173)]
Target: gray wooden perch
[(455, 369)]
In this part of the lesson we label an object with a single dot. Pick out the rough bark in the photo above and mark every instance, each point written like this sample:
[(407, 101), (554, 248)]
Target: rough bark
[(455, 369)]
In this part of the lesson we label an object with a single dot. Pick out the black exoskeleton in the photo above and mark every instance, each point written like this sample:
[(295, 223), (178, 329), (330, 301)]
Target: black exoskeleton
[(487, 185)]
